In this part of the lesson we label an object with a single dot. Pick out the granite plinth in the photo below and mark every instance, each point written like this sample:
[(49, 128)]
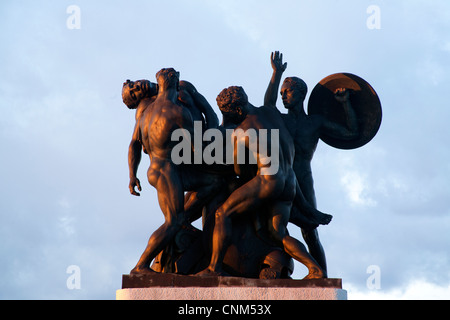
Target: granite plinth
[(178, 287)]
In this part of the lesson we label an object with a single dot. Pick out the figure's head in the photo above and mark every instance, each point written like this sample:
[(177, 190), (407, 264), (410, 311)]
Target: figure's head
[(134, 91), (293, 92), (233, 103), (168, 78)]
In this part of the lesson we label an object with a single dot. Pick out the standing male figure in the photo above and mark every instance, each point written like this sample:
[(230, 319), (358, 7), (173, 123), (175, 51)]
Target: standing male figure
[(156, 119), (306, 130), (269, 194)]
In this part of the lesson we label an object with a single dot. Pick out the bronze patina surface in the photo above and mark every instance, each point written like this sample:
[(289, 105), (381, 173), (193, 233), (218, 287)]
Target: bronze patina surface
[(245, 203)]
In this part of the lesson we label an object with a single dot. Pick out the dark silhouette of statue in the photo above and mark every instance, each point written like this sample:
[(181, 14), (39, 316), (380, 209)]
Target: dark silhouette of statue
[(177, 246), (246, 204), (274, 192), (157, 117), (305, 130)]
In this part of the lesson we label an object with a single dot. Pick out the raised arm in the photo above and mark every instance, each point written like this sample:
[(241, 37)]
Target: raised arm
[(270, 98), (350, 130)]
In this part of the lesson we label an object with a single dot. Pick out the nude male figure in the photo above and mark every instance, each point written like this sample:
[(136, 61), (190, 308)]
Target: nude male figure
[(157, 117), (271, 193), (305, 130)]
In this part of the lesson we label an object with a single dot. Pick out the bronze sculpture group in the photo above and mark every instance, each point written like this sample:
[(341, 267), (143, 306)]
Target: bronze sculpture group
[(245, 204)]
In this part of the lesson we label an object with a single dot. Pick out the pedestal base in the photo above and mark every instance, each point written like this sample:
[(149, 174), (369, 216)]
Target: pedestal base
[(178, 287), (231, 294)]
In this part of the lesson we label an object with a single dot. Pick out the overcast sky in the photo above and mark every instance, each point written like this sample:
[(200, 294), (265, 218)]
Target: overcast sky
[(64, 132)]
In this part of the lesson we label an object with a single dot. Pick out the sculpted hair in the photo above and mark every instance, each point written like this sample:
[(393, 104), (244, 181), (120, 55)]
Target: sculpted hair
[(230, 98), (126, 98), (166, 75), (297, 83), (148, 88)]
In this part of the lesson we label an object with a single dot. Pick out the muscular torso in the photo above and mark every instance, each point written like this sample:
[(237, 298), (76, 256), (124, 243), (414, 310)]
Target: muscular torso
[(158, 122), (283, 181), (270, 119), (305, 132)]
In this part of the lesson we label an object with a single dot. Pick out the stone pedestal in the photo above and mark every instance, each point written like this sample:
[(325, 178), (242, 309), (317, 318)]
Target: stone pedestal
[(177, 287)]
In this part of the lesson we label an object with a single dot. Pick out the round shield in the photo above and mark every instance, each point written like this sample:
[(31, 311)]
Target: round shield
[(364, 101)]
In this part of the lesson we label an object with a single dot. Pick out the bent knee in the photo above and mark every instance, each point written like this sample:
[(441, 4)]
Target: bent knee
[(174, 223), (271, 186), (221, 216), (277, 237), (277, 233)]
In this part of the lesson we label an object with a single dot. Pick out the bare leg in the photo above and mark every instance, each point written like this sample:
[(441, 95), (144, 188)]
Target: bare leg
[(203, 186), (196, 200), (240, 201), (157, 242), (316, 250), (171, 201), (307, 209), (279, 220), (311, 236)]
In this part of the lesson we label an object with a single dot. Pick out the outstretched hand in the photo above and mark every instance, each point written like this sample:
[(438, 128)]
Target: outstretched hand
[(276, 59), (134, 182), (342, 95)]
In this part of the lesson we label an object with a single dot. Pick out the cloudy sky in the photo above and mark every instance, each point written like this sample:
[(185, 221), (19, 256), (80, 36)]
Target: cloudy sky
[(64, 132)]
